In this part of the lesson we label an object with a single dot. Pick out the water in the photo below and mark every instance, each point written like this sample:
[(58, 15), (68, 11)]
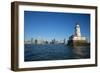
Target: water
[(55, 52)]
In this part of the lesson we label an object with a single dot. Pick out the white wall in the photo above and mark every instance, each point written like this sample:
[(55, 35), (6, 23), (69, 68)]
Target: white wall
[(5, 40)]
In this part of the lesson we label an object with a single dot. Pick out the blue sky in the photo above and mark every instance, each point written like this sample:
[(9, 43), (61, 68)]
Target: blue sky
[(49, 25)]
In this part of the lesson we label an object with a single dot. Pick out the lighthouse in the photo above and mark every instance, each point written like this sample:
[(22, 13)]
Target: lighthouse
[(77, 38), (77, 30)]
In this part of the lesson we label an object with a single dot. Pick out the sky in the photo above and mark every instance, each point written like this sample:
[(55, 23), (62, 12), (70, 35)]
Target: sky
[(58, 25)]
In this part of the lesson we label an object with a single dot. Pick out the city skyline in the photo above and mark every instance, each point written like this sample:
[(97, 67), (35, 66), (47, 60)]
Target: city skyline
[(42, 41), (49, 25)]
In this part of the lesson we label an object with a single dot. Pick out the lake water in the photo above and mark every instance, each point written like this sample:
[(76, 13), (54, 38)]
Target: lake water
[(54, 52)]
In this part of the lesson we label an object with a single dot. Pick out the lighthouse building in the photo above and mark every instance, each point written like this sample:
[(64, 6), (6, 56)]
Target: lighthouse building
[(77, 38)]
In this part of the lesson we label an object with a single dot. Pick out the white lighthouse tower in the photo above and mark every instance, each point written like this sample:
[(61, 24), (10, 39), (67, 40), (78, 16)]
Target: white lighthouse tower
[(77, 38), (77, 30), (77, 34)]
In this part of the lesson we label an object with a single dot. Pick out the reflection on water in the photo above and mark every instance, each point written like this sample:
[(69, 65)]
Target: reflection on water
[(81, 52), (55, 52)]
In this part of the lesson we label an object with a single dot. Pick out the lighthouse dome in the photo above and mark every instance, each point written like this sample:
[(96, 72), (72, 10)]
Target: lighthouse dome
[(77, 25)]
